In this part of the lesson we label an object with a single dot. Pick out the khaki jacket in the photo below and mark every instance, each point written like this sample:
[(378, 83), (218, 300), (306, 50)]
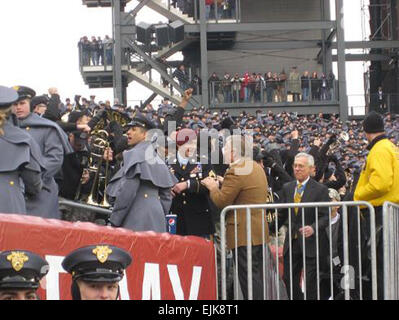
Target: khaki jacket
[(244, 183)]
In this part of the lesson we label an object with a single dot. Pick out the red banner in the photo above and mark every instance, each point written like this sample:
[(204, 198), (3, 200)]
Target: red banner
[(164, 266)]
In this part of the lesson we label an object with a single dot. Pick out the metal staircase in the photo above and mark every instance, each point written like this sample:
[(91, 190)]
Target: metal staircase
[(163, 8), (144, 80)]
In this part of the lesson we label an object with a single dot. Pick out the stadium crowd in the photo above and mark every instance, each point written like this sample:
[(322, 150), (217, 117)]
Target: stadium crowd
[(96, 153), (272, 87)]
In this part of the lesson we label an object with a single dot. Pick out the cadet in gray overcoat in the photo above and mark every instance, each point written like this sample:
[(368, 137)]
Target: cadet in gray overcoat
[(141, 190), (20, 160), (53, 143)]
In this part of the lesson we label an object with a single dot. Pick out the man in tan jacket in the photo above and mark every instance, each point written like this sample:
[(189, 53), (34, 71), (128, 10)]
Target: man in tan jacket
[(244, 183)]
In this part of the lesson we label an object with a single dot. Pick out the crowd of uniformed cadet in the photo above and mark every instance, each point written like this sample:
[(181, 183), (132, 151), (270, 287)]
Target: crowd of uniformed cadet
[(49, 152)]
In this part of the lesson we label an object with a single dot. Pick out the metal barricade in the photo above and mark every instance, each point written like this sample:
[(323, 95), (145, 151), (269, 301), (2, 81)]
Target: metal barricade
[(364, 256), (101, 214), (391, 250)]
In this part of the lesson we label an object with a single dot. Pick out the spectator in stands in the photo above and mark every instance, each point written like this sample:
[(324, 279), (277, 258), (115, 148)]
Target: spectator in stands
[(251, 87), (208, 4), (324, 89), (277, 97), (245, 86), (182, 77), (294, 84), (269, 87), (259, 85), (281, 85), (100, 51), (226, 88), (196, 84), (94, 51), (315, 86), (305, 84), (236, 87), (108, 46), (214, 88), (85, 47), (331, 85), (231, 9)]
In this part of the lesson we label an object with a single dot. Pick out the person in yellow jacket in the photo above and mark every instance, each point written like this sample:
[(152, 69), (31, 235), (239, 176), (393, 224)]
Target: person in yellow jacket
[(378, 182)]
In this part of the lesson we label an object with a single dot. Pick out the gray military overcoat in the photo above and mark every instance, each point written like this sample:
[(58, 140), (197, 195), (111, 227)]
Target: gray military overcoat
[(53, 143), (20, 169), (141, 190)]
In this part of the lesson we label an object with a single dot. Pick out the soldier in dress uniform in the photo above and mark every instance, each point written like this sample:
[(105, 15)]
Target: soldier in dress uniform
[(141, 189), (53, 143), (20, 274), (20, 160), (96, 271), (191, 202)]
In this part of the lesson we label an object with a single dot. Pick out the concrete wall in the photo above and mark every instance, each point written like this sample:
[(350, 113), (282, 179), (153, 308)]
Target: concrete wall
[(280, 10), (272, 60)]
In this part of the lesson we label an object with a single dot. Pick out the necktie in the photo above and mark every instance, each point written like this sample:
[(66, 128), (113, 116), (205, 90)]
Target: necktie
[(297, 196)]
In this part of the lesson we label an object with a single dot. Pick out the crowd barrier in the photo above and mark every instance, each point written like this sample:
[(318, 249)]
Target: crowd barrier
[(164, 266), (353, 278), (391, 250)]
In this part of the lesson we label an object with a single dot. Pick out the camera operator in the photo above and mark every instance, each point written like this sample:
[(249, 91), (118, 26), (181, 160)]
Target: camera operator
[(333, 178)]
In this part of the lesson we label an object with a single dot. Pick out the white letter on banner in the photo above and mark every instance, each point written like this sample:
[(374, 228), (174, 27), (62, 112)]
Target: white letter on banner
[(175, 281), (52, 278), (151, 282), (176, 284), (195, 283)]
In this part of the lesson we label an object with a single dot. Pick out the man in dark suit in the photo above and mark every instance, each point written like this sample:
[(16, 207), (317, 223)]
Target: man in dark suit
[(191, 202), (303, 235)]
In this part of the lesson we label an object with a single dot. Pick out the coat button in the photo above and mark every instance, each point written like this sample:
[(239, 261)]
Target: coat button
[(11, 183), (183, 194)]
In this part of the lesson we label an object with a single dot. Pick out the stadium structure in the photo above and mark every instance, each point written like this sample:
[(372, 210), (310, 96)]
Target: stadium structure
[(259, 36)]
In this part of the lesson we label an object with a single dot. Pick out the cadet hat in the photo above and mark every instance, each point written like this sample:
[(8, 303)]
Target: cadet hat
[(24, 92), (141, 121), (97, 263), (7, 97), (21, 269), (38, 100), (373, 123)]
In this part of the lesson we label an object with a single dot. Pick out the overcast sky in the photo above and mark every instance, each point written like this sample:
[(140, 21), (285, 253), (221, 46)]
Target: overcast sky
[(39, 45)]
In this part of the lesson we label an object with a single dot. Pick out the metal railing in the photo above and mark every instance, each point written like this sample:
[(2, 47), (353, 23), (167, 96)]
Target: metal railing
[(391, 250), (346, 285), (92, 57), (218, 11), (233, 91)]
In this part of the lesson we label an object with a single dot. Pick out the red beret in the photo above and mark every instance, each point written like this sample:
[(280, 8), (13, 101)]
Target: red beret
[(185, 135)]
